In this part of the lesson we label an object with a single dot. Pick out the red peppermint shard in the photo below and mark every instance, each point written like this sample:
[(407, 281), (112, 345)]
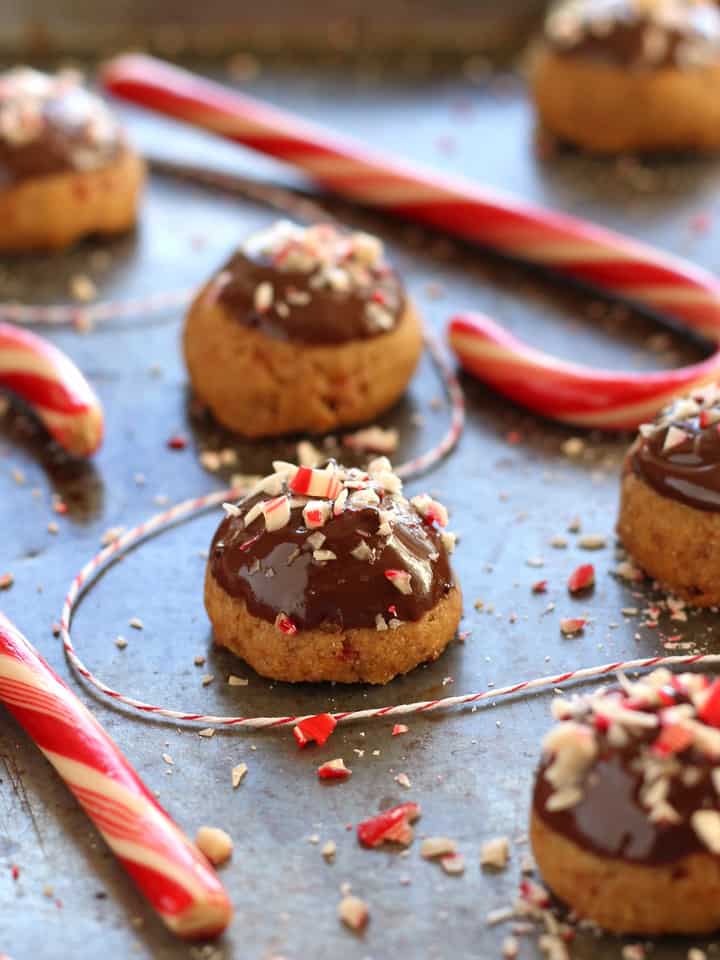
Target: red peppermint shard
[(572, 625), (673, 739), (334, 770), (314, 729), (390, 826), (710, 711), (582, 578), (177, 442), (285, 625), (540, 586)]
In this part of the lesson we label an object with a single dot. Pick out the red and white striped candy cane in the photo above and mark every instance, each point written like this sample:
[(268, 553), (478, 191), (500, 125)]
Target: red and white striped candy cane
[(607, 260), (172, 874), (54, 387)]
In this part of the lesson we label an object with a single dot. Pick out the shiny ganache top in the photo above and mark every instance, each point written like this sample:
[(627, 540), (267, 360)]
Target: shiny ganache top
[(317, 284), (647, 34), (679, 454), (51, 124), (335, 577), (648, 796)]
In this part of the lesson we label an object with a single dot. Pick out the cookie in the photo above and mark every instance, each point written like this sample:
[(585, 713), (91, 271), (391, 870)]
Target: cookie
[(669, 518), (332, 574), (66, 167), (305, 329), (625, 823), (631, 75)]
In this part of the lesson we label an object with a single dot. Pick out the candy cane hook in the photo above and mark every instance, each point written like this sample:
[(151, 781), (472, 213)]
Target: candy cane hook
[(613, 263), (53, 386), (170, 872)]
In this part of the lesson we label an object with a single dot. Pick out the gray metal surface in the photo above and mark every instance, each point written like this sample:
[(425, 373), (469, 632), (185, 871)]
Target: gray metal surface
[(470, 770)]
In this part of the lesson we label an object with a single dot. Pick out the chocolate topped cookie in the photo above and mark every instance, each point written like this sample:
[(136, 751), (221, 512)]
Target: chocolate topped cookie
[(332, 574), (66, 168), (639, 75), (626, 810), (670, 503), (303, 329)]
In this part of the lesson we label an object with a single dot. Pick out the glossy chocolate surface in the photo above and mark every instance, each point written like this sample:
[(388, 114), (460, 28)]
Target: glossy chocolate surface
[(277, 572), (328, 298), (51, 124), (687, 471), (610, 820), (630, 33)]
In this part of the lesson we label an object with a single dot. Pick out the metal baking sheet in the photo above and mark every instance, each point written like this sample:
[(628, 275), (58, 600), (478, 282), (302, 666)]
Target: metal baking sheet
[(509, 486)]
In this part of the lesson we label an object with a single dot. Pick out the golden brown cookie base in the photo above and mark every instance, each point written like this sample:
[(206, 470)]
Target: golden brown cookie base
[(675, 544), (679, 898), (362, 655), (261, 387), (612, 109), (52, 212)]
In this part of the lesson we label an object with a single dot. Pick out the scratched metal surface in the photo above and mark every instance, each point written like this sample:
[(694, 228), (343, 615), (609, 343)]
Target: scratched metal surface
[(470, 770)]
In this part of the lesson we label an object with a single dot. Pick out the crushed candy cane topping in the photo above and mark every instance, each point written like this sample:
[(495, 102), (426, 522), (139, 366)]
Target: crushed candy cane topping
[(340, 262), (634, 770), (54, 115), (376, 559)]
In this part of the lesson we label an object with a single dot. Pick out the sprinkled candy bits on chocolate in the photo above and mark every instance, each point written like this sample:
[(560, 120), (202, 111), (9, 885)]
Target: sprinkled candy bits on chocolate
[(631, 775), (377, 562), (341, 552), (645, 34), (50, 123), (317, 283), (678, 455)]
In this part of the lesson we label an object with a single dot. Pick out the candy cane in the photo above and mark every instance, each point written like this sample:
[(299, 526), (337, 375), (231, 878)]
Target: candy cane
[(54, 387), (607, 260), (171, 873), (191, 508)]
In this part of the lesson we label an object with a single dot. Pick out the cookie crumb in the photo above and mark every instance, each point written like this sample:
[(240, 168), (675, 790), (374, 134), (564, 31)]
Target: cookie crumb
[(215, 843)]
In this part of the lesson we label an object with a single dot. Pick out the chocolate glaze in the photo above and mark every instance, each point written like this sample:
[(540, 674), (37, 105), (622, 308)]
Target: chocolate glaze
[(688, 472), (66, 137), (338, 594), (329, 316), (610, 819), (622, 33)]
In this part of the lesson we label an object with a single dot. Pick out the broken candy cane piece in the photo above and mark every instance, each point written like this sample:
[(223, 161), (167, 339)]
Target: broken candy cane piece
[(334, 770), (339, 505), (317, 729), (316, 513), (569, 626), (400, 579), (315, 483), (374, 439), (673, 738), (276, 512), (430, 510), (674, 437), (284, 624), (392, 826), (581, 578)]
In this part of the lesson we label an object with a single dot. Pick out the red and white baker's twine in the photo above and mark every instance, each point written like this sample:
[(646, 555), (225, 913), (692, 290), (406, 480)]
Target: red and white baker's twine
[(606, 260), (172, 874), (87, 315), (190, 508)]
